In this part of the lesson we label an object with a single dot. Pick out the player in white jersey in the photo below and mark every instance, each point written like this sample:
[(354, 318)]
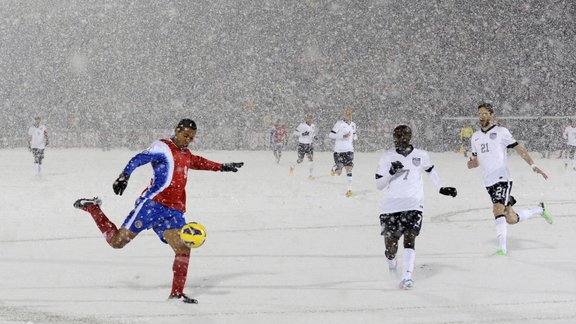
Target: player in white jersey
[(306, 133), (400, 173), (569, 135), (489, 151), (344, 134), (37, 142)]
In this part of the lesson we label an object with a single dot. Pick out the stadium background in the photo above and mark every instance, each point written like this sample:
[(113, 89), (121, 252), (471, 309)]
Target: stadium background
[(122, 73)]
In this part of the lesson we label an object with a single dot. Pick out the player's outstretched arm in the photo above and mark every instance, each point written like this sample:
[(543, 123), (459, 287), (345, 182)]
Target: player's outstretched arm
[(521, 150)]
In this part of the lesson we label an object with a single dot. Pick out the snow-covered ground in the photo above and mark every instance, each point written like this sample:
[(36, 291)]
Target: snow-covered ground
[(280, 248)]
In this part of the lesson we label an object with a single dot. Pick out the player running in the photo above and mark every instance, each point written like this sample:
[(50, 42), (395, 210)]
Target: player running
[(278, 139), (306, 133), (400, 173), (344, 134), (489, 151), (569, 135), (162, 205), (37, 142)]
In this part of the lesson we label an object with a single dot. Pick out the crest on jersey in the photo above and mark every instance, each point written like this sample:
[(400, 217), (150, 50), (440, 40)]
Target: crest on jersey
[(493, 136), (416, 161)]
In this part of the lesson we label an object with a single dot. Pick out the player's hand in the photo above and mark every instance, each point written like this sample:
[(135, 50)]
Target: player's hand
[(539, 171), (396, 165), (120, 184), (232, 166), (448, 191), (472, 163)]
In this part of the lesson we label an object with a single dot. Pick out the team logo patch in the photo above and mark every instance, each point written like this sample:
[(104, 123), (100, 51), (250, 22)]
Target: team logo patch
[(138, 224), (493, 136), (416, 161)]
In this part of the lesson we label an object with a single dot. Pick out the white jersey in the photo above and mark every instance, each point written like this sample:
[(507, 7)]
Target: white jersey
[(405, 189), (305, 133), (490, 147), (570, 135), (340, 129), (37, 137)]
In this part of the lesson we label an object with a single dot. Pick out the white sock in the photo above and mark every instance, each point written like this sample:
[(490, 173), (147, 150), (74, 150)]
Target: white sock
[(501, 232), (408, 263), (310, 167), (391, 263), (349, 180), (527, 213), (292, 165), (36, 168)]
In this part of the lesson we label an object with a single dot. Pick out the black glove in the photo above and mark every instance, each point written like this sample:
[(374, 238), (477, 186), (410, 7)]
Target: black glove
[(120, 184), (396, 165), (232, 166), (448, 191)]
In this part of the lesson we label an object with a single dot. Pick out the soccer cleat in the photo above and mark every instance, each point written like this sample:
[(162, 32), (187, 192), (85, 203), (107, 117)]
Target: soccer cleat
[(332, 173), (501, 253), (545, 214), (184, 298), (310, 177), (349, 193), (83, 203), (406, 284)]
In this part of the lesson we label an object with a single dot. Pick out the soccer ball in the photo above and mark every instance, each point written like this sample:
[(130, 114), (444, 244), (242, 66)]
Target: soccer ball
[(193, 235)]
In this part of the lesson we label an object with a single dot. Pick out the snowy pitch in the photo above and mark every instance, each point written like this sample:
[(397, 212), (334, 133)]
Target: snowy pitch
[(280, 248)]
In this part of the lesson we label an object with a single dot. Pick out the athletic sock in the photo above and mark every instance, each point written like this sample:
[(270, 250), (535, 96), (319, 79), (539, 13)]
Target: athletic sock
[(501, 232), (527, 213), (104, 224), (409, 256), (180, 270), (310, 167), (349, 180)]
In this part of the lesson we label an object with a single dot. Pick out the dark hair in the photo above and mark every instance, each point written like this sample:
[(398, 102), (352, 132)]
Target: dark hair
[(186, 123), (487, 106)]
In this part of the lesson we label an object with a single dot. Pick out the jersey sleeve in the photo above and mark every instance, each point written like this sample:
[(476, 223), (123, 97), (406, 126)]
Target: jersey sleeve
[(473, 149), (138, 160), (507, 138), (334, 132), (426, 162), (382, 172), (200, 163)]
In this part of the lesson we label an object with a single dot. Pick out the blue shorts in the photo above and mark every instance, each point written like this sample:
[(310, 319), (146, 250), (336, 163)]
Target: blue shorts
[(149, 214)]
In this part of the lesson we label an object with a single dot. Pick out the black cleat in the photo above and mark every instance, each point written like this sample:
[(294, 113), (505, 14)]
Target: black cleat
[(184, 298), (83, 203)]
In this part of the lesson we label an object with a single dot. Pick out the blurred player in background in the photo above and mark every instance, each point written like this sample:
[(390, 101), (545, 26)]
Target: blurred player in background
[(400, 173), (278, 139), (344, 134), (569, 135), (489, 151), (306, 133), (37, 142)]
